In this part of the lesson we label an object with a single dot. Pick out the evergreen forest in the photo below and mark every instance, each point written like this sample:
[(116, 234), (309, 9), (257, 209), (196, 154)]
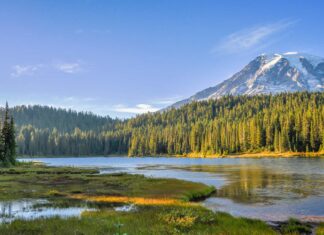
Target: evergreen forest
[(232, 124)]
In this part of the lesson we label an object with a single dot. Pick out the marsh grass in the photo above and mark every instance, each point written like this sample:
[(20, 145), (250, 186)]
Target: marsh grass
[(66, 186), (294, 226), (148, 220), (38, 181), (320, 229)]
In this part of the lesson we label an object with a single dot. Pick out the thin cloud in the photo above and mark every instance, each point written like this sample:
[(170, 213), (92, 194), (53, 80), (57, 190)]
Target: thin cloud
[(29, 70), (24, 70), (74, 99), (137, 109), (145, 108), (251, 37), (168, 100), (70, 68)]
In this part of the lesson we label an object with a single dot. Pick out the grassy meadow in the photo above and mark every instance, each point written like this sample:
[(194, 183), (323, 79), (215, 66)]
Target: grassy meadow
[(162, 206)]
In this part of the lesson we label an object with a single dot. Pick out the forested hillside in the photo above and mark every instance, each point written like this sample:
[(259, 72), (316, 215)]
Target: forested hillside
[(44, 117), (43, 130), (232, 124)]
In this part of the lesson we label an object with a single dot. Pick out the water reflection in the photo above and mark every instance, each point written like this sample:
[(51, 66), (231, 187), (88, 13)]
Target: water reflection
[(307, 209), (125, 208), (253, 187), (29, 209), (256, 184)]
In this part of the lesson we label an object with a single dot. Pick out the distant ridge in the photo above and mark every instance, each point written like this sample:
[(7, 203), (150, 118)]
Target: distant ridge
[(269, 73)]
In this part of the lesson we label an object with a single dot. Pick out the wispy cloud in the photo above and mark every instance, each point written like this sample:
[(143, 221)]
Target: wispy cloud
[(70, 68), (251, 37), (152, 106), (29, 70), (168, 100), (137, 109), (25, 70), (74, 99)]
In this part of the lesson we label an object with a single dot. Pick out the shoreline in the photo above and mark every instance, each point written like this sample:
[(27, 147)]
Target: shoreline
[(185, 198), (255, 155), (263, 154)]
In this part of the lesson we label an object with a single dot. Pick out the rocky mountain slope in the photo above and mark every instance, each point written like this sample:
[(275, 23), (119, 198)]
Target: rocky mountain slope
[(269, 73)]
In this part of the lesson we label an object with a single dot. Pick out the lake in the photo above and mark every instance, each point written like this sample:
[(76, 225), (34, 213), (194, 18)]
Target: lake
[(271, 189)]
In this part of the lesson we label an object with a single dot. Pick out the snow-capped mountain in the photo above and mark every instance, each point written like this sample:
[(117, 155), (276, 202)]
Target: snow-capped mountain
[(269, 73)]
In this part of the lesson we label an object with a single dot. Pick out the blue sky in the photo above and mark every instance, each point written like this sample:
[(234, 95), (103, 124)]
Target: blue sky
[(121, 58)]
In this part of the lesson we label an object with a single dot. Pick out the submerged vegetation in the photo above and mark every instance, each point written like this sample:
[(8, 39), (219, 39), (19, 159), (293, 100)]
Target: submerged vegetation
[(289, 122)]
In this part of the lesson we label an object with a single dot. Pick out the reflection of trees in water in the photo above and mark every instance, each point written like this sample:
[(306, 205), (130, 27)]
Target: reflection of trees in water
[(252, 184), (10, 209), (6, 209)]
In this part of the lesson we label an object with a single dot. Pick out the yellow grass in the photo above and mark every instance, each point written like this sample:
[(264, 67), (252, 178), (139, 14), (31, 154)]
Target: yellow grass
[(254, 155), (133, 200), (320, 230)]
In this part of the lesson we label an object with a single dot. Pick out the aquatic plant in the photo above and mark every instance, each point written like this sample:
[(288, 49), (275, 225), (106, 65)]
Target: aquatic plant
[(294, 226)]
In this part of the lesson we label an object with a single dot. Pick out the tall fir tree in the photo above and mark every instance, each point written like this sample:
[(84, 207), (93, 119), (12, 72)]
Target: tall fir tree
[(12, 142), (6, 135), (7, 139), (2, 145)]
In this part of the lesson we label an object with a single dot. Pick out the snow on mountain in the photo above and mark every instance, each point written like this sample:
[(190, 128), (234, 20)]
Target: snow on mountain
[(269, 73)]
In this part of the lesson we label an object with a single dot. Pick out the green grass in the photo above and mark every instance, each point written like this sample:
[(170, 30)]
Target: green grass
[(57, 184), (146, 220), (37, 181), (294, 226)]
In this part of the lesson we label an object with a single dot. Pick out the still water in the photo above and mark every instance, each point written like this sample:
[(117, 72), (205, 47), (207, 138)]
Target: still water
[(271, 189), (29, 209)]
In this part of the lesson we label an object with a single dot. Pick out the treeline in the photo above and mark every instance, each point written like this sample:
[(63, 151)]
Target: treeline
[(7, 139), (232, 124), (280, 123), (44, 117), (33, 141)]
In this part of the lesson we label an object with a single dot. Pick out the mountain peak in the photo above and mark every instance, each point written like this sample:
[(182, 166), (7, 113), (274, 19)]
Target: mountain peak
[(269, 73), (294, 56)]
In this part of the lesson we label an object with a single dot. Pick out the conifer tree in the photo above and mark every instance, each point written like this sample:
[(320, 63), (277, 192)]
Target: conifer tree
[(7, 139), (231, 124), (2, 146), (6, 136), (12, 142)]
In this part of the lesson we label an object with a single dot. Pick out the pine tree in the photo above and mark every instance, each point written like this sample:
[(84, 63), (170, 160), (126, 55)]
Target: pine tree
[(12, 142), (8, 140), (232, 124), (6, 136), (2, 146)]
